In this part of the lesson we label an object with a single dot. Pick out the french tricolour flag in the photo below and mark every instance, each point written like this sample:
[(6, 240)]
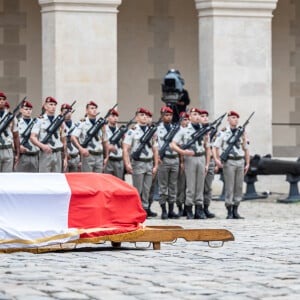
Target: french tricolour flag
[(39, 209)]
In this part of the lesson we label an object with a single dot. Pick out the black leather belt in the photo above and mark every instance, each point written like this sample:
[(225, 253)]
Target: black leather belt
[(95, 153), (2, 147), (30, 153), (145, 159), (73, 155), (199, 154), (236, 158), (171, 155), (57, 150), (112, 158)]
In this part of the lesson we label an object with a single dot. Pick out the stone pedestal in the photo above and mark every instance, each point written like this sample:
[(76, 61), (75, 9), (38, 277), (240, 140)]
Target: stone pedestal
[(79, 45), (236, 63)]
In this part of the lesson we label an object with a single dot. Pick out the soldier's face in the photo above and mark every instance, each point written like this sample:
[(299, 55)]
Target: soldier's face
[(2, 103), (113, 119), (233, 121), (185, 122), (195, 117), (68, 116), (167, 118), (142, 118), (91, 111), (26, 112), (204, 119), (50, 108)]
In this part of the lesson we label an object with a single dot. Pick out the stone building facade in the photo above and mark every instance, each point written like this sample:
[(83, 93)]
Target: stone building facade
[(233, 54)]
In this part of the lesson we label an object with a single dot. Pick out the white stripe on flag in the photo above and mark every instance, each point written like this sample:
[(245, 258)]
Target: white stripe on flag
[(34, 201)]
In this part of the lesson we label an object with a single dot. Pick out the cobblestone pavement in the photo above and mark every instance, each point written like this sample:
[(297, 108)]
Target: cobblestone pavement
[(262, 263)]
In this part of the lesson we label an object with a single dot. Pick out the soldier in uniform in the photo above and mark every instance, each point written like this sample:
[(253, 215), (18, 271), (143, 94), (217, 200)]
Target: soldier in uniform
[(207, 193), (9, 140), (196, 162), (153, 194), (53, 154), (29, 159), (114, 165), (70, 126), (92, 158), (181, 181), (167, 168), (145, 167), (235, 167)]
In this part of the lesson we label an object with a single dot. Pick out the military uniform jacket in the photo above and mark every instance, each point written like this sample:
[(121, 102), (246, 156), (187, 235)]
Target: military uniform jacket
[(161, 133), (12, 127), (40, 129), (81, 132), (133, 137), (109, 134), (221, 142), (72, 150), (22, 126), (184, 135)]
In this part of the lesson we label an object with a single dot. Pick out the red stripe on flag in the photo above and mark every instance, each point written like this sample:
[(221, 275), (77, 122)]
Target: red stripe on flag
[(103, 201)]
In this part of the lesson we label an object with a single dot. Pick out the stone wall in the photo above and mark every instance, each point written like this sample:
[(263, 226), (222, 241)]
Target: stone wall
[(154, 36)]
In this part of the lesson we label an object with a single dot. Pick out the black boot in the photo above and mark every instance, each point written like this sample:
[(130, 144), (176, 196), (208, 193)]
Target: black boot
[(189, 212), (207, 212), (180, 210), (229, 212), (164, 214), (184, 214), (235, 212), (199, 212), (150, 213), (172, 214)]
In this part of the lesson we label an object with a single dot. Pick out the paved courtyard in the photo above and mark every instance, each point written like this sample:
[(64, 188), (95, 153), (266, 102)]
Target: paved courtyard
[(262, 263)]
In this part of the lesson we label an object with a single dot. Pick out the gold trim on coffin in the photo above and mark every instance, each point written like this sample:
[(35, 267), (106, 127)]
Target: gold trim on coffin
[(68, 245)]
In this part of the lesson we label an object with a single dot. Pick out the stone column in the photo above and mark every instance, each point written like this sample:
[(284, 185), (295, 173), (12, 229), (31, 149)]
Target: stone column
[(79, 45), (236, 63)]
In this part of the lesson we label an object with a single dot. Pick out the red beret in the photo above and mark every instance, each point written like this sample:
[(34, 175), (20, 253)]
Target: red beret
[(6, 104), (166, 109), (203, 112), (50, 100), (2, 95), (66, 106), (91, 103), (114, 112), (184, 114), (143, 111), (194, 109), (233, 113), (27, 104)]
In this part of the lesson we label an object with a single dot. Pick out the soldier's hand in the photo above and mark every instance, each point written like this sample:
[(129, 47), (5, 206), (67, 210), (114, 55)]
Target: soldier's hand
[(188, 152), (84, 152), (154, 170), (23, 149), (128, 168), (218, 163), (46, 149), (246, 169)]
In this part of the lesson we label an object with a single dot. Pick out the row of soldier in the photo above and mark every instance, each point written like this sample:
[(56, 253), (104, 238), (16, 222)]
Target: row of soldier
[(183, 157)]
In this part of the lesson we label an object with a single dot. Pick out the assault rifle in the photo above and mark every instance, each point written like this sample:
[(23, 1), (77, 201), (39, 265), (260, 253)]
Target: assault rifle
[(234, 140), (54, 126), (116, 137), (93, 131), (199, 134), (7, 120), (169, 137), (145, 140), (26, 135)]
